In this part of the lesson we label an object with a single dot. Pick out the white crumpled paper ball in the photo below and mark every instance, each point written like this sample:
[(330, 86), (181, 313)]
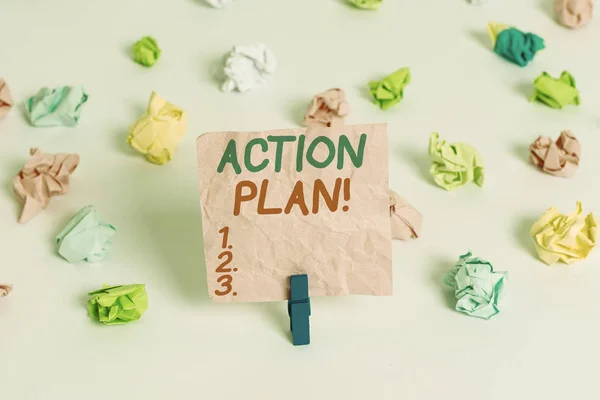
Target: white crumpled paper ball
[(247, 67)]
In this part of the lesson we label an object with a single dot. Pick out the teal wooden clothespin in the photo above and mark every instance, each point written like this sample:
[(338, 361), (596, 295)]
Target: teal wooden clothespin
[(299, 310)]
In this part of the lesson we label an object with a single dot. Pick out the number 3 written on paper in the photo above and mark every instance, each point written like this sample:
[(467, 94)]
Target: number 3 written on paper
[(225, 257)]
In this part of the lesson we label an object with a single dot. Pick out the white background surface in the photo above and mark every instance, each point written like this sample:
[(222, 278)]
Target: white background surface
[(544, 344)]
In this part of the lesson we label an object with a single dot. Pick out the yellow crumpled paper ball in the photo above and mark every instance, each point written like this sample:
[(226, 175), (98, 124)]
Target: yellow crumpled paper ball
[(567, 238), (158, 132)]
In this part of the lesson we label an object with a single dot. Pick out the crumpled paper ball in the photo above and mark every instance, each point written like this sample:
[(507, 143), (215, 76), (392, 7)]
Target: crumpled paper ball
[(327, 109), (157, 133), (248, 67), (477, 287), (405, 220), (366, 4), (454, 165), (559, 158), (556, 92), (86, 237), (567, 238), (146, 51), (219, 3), (390, 90), (118, 305), (514, 45), (61, 106), (44, 176), (6, 100), (573, 13), (5, 289)]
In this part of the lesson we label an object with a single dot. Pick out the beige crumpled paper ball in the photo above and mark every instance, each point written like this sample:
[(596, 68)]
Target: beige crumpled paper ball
[(573, 13), (5, 289)]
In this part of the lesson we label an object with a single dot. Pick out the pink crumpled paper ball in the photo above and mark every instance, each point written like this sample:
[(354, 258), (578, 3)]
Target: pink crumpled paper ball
[(560, 158)]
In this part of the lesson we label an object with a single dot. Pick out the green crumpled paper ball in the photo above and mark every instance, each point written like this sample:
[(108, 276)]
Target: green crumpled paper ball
[(117, 305), (146, 51), (366, 4), (454, 164), (556, 92), (390, 90), (86, 237), (60, 106), (477, 287)]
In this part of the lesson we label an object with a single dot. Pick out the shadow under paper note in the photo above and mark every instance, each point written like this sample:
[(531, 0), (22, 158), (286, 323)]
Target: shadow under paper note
[(175, 238), (522, 236), (277, 316), (439, 267)]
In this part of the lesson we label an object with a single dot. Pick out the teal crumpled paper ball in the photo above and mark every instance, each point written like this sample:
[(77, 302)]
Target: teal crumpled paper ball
[(86, 237), (56, 107), (518, 47), (477, 287)]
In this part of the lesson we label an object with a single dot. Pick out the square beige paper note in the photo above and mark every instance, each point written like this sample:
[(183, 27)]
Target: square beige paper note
[(295, 201)]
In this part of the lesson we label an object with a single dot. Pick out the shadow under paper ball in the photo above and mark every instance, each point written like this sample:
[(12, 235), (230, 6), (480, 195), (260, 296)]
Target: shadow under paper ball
[(547, 7), (521, 151), (297, 112), (439, 267), (204, 4), (12, 171), (524, 89), (482, 38), (420, 161), (522, 236), (121, 132), (214, 68)]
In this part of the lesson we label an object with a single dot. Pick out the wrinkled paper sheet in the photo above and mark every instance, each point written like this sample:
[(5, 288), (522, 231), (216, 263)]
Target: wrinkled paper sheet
[(343, 252)]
